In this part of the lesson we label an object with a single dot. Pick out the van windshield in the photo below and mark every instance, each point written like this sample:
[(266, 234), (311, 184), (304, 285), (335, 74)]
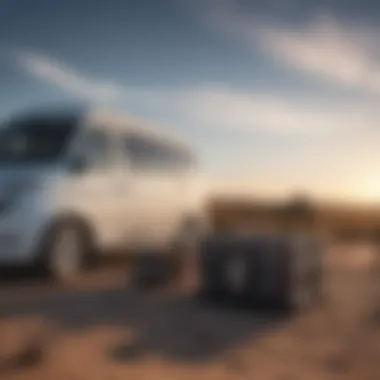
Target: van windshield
[(34, 140)]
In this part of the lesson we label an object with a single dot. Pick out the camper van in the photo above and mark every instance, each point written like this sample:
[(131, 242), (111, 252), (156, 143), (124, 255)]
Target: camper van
[(76, 185)]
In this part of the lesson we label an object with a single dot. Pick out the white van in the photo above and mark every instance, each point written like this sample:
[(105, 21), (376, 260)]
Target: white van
[(76, 184)]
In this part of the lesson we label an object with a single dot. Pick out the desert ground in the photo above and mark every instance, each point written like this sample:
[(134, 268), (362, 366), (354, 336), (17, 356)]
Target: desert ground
[(103, 329)]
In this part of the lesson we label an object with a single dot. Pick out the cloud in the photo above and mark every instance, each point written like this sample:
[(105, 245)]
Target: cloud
[(327, 50), (212, 106), (58, 74), (344, 54), (271, 114)]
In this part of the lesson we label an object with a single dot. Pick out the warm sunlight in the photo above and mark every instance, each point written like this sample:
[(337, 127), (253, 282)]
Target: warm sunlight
[(370, 191), (189, 189)]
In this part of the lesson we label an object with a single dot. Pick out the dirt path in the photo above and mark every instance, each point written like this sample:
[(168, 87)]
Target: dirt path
[(101, 329)]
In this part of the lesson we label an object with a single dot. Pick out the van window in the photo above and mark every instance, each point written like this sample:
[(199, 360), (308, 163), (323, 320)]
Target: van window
[(97, 149), (148, 154), (34, 140), (139, 151)]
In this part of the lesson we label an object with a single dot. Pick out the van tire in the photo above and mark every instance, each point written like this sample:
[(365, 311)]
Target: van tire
[(65, 251)]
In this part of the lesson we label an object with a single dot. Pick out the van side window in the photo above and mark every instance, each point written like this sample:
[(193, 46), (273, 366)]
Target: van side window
[(144, 153), (97, 149), (148, 154), (138, 151)]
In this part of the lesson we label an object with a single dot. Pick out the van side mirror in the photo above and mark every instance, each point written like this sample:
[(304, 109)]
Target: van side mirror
[(78, 165)]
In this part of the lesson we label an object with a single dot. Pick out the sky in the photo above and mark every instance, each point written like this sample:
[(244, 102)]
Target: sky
[(275, 95)]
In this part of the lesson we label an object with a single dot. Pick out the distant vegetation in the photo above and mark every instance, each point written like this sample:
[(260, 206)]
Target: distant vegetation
[(338, 221)]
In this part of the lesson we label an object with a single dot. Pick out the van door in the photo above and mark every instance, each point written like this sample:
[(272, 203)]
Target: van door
[(148, 191), (94, 191), (130, 199)]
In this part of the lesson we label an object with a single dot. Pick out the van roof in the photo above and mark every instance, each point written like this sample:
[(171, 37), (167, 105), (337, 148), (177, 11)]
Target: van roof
[(111, 118)]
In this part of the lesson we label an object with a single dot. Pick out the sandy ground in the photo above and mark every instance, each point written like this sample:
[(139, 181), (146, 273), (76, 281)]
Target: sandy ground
[(103, 329)]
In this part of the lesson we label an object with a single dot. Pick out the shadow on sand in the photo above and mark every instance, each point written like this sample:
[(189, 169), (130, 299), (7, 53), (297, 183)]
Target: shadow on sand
[(177, 326)]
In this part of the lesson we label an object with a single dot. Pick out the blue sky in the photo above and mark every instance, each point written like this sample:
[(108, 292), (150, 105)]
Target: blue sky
[(277, 95)]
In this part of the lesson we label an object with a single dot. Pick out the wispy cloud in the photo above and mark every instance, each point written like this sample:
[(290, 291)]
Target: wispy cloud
[(211, 106), (345, 54), (224, 108), (328, 50), (58, 74)]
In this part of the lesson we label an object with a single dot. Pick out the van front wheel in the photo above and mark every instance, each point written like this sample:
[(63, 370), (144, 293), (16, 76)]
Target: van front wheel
[(64, 258)]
